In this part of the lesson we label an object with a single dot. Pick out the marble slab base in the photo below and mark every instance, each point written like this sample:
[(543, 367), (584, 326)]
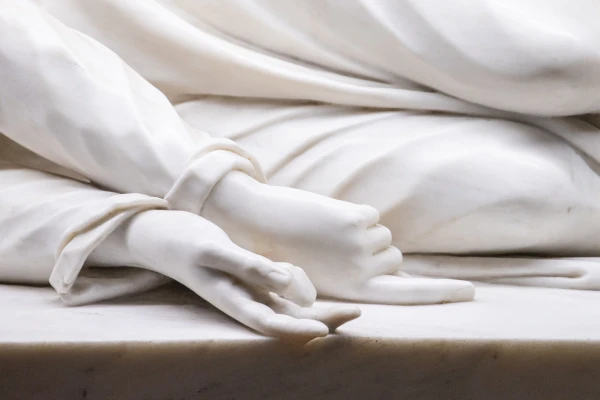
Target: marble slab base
[(510, 343)]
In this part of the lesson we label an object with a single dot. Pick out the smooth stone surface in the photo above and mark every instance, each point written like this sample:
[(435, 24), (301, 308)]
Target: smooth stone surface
[(509, 343)]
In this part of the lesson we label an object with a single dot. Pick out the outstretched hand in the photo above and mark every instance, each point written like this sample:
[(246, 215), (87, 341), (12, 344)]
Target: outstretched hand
[(270, 297)]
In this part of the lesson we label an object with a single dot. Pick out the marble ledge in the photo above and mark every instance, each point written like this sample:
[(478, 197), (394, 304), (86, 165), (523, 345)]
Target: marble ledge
[(510, 343)]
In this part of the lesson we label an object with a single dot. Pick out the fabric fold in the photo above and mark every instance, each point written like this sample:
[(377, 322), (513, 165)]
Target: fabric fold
[(75, 287), (50, 226), (207, 166)]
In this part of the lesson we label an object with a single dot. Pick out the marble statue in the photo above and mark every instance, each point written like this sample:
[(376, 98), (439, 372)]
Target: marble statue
[(138, 138)]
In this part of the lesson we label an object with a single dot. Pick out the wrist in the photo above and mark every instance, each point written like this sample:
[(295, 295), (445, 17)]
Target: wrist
[(233, 188), (196, 184), (113, 251)]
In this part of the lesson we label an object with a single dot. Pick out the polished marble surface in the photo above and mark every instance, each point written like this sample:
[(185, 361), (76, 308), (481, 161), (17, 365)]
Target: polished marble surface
[(509, 343)]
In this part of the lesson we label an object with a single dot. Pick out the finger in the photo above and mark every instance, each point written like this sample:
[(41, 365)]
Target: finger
[(301, 290), (332, 317), (248, 267), (402, 274), (293, 329), (391, 289), (378, 237), (239, 302), (385, 262), (285, 279), (370, 215)]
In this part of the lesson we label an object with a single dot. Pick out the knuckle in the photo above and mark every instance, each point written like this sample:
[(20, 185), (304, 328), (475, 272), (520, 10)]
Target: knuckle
[(397, 255), (385, 231), (253, 267), (209, 252), (352, 219)]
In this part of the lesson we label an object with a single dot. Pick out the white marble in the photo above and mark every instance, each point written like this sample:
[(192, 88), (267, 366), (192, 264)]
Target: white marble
[(172, 315), (72, 106), (419, 127), (509, 343), (105, 162)]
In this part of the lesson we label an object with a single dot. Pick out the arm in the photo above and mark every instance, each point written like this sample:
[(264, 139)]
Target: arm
[(74, 102), (50, 225)]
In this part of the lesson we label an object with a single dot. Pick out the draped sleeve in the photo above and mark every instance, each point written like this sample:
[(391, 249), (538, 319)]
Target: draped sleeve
[(74, 102), (51, 224)]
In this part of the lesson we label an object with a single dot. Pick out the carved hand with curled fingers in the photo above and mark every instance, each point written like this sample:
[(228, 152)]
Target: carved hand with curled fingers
[(340, 245), (270, 297)]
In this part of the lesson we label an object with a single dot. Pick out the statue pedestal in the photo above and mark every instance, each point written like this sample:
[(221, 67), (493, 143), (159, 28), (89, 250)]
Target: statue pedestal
[(510, 343)]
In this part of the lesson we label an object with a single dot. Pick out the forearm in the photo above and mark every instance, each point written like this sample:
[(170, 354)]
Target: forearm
[(49, 223), (71, 100)]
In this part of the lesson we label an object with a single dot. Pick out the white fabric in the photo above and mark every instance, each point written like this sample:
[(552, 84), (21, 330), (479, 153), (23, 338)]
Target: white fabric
[(71, 106), (72, 101), (50, 223), (443, 184), (529, 56), (83, 113)]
